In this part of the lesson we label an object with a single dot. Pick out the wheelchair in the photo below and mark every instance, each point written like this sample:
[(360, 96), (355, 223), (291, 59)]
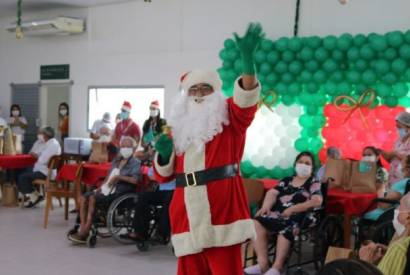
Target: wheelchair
[(380, 230), (326, 231)]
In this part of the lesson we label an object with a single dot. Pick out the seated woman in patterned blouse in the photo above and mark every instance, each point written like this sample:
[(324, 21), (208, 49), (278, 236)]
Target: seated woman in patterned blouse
[(282, 211)]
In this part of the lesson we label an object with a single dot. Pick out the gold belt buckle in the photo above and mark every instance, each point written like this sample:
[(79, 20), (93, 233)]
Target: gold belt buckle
[(193, 177)]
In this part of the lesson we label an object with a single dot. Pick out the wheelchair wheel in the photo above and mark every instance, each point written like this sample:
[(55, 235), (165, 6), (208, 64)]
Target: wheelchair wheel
[(329, 233), (91, 240), (120, 216), (383, 233), (143, 246)]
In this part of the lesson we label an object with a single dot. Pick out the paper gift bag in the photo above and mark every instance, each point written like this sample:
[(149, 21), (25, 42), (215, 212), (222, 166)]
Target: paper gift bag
[(363, 178), (9, 195), (8, 146), (99, 152), (336, 253), (339, 170)]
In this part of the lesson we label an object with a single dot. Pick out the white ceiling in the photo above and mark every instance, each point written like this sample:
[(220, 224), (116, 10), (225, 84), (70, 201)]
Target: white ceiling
[(8, 7)]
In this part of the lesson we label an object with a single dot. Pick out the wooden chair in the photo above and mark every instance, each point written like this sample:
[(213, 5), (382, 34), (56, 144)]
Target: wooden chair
[(254, 190), (63, 190)]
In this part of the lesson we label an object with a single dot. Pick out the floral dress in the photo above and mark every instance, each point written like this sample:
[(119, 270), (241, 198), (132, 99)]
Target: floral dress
[(289, 196), (395, 173)]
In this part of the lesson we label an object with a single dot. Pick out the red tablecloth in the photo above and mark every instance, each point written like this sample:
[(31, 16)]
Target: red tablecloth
[(92, 172), (17, 161), (269, 183), (343, 202)]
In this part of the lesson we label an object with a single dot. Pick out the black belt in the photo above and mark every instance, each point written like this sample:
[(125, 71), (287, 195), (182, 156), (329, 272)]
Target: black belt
[(204, 176)]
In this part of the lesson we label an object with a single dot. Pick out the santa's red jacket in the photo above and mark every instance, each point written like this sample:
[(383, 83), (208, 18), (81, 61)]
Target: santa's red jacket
[(216, 214)]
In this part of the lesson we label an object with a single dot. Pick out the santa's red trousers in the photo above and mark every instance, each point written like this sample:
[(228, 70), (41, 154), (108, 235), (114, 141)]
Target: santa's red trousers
[(212, 261)]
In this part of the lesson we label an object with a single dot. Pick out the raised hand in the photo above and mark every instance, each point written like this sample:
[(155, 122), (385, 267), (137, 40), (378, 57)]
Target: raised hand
[(164, 146)]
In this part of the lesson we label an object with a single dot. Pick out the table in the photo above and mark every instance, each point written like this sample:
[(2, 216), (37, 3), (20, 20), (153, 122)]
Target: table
[(16, 161), (92, 172), (349, 204)]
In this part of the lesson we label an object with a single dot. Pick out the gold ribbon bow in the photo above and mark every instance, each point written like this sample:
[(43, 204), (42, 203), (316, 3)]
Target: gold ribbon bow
[(264, 101), (356, 105)]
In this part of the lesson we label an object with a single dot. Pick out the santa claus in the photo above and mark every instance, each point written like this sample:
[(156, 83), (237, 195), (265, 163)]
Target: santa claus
[(209, 211)]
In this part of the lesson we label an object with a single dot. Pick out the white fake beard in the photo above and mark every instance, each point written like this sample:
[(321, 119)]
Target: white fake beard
[(197, 123)]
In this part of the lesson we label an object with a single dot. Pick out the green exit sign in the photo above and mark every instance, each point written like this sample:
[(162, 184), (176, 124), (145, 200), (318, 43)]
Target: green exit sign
[(48, 72)]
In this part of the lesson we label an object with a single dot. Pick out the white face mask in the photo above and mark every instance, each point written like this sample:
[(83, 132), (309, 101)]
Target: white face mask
[(104, 138), (397, 225), (15, 113), (154, 113), (303, 170), (126, 152), (40, 137), (63, 112), (369, 158)]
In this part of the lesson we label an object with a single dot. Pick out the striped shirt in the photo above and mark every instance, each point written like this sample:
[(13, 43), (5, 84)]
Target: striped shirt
[(394, 262)]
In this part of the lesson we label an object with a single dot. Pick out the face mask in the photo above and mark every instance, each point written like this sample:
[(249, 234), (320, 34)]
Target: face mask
[(15, 113), (303, 170), (402, 132), (126, 152), (154, 113), (124, 115), (104, 138), (365, 166), (369, 158), (63, 112), (397, 225), (40, 138)]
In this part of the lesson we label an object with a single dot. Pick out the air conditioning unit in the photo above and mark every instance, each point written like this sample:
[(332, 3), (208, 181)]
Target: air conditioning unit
[(57, 26)]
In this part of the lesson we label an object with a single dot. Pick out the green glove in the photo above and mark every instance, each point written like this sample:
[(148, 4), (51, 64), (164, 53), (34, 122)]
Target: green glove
[(247, 46), (164, 146)]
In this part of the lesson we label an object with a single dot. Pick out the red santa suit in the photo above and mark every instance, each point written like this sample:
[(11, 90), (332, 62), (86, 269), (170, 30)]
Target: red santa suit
[(209, 222)]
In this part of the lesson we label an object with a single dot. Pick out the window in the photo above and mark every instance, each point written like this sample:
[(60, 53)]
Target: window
[(101, 100)]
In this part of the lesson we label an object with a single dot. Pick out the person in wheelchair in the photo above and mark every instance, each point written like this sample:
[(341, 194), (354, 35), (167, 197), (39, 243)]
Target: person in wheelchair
[(123, 177), (395, 193), (160, 197), (284, 209), (394, 259)]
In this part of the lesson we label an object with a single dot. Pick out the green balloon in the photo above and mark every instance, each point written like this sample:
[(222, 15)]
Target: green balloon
[(246, 167), (391, 101), (223, 73), (288, 56), (312, 110), (316, 144), (223, 54), (395, 39), (238, 66), (262, 80), (378, 43), (359, 40), (406, 76), (369, 77), (312, 66), (360, 88), (353, 77), (309, 132), (273, 57), (330, 42), (228, 65), (400, 90), (305, 98), (367, 53), (399, 66), (281, 67), (330, 66), (321, 54), (229, 43), (306, 54), (381, 66), (405, 51), (312, 88), (344, 88), (353, 54), (319, 76), (330, 88), (390, 54), (260, 56), (265, 68), (288, 99), (295, 67), (231, 75), (295, 44), (267, 45), (233, 54), (390, 78), (302, 144), (281, 88), (294, 89), (287, 78), (271, 78), (338, 55), (337, 77), (313, 41), (361, 65), (282, 44), (305, 77), (405, 102), (382, 90), (344, 42), (407, 36)]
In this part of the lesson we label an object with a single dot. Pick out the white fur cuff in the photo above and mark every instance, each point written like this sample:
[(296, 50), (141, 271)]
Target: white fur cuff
[(244, 98), (165, 170)]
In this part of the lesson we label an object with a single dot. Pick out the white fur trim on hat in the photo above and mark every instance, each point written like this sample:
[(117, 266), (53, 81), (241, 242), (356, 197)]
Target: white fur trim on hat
[(201, 76)]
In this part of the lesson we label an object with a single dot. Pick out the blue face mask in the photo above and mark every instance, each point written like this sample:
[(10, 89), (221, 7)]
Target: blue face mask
[(124, 115), (402, 132)]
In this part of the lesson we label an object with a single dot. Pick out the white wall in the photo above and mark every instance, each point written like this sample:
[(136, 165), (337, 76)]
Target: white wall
[(141, 43)]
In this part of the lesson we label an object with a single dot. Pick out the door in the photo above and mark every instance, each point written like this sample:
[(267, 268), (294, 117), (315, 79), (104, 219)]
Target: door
[(27, 96)]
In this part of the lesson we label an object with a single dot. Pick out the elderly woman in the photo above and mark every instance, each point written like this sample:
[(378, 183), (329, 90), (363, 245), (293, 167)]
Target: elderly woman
[(401, 148), (282, 211), (124, 175), (331, 153), (393, 259)]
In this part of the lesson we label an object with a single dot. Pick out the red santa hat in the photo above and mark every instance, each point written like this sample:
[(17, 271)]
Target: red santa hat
[(126, 106), (201, 76), (155, 104)]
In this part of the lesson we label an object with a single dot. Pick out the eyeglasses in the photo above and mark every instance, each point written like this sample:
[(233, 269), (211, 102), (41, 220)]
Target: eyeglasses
[(202, 89)]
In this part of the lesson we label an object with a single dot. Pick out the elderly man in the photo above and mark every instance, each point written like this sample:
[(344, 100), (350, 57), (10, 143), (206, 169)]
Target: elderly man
[(101, 127), (124, 175), (50, 148), (394, 260), (209, 212), (331, 153)]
